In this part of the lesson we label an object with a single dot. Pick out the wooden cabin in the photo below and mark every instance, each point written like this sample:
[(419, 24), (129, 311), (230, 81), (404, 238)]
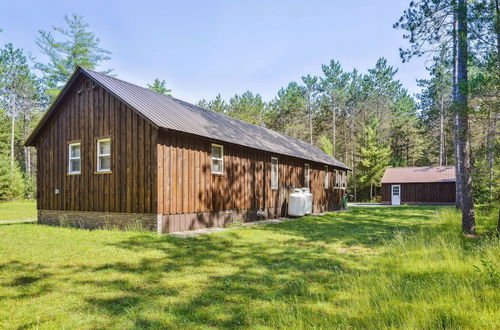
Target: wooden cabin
[(419, 185), (113, 154)]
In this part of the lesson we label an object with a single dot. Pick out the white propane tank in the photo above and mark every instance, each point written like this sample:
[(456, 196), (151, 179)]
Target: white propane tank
[(296, 203), (309, 200)]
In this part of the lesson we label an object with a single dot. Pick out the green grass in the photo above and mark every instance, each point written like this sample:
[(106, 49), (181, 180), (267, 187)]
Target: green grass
[(377, 267), (17, 210)]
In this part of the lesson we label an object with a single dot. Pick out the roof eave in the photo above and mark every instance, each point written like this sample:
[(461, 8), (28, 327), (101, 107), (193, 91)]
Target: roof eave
[(34, 134)]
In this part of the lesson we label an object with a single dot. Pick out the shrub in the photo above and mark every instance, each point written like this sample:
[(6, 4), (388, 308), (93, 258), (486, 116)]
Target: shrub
[(12, 185)]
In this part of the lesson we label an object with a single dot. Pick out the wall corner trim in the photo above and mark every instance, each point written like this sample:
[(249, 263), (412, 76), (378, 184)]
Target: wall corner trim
[(159, 224)]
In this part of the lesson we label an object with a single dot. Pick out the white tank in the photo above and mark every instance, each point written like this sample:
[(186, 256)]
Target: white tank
[(296, 203), (309, 200)]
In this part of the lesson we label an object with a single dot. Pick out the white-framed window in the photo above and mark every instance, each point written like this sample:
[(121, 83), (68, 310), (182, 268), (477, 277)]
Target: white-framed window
[(325, 179), (74, 158), (274, 173), (217, 159), (306, 175), (104, 155)]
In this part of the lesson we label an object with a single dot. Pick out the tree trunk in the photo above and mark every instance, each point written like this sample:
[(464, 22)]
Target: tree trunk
[(441, 133), (310, 121), (458, 192), (334, 129), (497, 30), (490, 146), (27, 161), (461, 107), (12, 131)]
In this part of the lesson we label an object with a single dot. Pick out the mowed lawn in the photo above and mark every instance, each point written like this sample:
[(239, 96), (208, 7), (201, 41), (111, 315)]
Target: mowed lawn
[(376, 267), (17, 211)]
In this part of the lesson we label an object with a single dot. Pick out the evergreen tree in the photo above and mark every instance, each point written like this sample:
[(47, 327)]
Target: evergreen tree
[(18, 92), (217, 104), (374, 155), (77, 47), (12, 185), (160, 86), (326, 145), (248, 107)]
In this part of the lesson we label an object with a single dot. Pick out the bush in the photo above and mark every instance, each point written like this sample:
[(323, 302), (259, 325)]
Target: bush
[(12, 185)]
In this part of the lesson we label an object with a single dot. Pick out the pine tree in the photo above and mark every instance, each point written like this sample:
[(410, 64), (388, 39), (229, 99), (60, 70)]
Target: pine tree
[(373, 156), (160, 86), (77, 47), (18, 92)]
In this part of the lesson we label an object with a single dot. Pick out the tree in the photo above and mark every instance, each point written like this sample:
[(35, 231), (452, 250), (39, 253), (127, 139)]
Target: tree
[(373, 155), (311, 85), (286, 111), (77, 47), (334, 86), (11, 181), (444, 23), (217, 104), (461, 108), (160, 86), (248, 107), (326, 145), (18, 93)]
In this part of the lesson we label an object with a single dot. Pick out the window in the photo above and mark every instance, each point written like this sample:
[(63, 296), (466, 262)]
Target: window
[(344, 179), (337, 179), (74, 158), (325, 180), (217, 159), (274, 173), (104, 155), (306, 175)]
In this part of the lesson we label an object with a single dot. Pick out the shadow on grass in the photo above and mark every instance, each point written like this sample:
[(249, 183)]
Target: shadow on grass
[(269, 270), (240, 270), (29, 282)]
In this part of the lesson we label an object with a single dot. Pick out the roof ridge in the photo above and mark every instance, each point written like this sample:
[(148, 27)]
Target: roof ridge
[(127, 82), (215, 112)]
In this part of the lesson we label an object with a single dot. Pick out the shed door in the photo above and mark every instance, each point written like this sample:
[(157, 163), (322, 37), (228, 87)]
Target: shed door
[(396, 194)]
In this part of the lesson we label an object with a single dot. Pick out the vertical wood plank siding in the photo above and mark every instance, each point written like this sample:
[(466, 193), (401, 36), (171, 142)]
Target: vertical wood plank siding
[(160, 172), (422, 193), (186, 184), (85, 117)]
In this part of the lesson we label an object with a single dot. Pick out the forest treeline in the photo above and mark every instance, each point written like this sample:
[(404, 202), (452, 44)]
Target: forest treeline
[(367, 120)]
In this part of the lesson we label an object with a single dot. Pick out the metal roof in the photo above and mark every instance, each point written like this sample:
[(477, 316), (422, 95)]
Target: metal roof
[(170, 113), (425, 174)]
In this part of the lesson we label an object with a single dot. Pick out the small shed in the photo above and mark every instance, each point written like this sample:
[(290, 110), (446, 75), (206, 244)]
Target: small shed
[(419, 185)]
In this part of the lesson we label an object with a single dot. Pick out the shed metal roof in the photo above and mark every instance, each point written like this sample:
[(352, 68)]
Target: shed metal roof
[(171, 113), (425, 174)]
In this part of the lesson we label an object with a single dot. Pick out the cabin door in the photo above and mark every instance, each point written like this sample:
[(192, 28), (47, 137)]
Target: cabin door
[(396, 194)]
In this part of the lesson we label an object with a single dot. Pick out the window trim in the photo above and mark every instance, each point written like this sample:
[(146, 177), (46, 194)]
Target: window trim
[(98, 155), (277, 173), (326, 180), (212, 159), (70, 144), (307, 172)]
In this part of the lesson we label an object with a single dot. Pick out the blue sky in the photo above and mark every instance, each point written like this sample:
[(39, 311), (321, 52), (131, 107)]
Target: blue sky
[(202, 48)]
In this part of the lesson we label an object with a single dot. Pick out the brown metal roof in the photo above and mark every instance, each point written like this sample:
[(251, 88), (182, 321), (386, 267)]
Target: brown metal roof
[(423, 174), (170, 113)]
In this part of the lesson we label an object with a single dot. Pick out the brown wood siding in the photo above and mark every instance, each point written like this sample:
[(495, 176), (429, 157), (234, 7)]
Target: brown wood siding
[(422, 192), (186, 184), (85, 117)]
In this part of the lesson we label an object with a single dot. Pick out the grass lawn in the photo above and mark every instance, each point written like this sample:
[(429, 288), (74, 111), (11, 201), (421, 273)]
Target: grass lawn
[(376, 267), (17, 211)]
